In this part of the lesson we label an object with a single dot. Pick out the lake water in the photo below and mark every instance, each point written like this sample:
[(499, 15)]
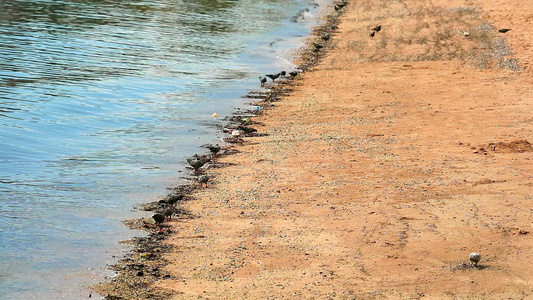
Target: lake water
[(100, 102)]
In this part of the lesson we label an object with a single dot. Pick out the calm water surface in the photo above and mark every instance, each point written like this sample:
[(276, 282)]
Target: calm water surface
[(100, 102)]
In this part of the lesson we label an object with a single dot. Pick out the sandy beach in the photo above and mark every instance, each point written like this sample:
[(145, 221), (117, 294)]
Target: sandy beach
[(380, 169)]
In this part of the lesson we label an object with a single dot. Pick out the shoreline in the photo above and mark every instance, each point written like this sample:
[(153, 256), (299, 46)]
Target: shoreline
[(146, 256), (378, 176)]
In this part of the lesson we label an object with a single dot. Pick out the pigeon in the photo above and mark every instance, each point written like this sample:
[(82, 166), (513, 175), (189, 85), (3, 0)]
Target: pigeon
[(377, 28), (318, 46), (293, 73), (263, 80), (173, 199), (283, 73), (273, 76), (214, 149), (203, 179), (504, 30), (169, 212), (158, 218), (197, 161), (372, 34), (196, 164), (474, 258)]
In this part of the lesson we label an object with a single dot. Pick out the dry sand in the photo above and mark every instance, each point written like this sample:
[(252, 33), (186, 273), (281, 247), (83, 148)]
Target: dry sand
[(387, 165)]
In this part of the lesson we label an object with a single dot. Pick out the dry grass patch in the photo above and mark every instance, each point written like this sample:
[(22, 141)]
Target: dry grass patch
[(422, 31)]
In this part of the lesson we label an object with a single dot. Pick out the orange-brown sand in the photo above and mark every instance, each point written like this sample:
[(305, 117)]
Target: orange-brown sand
[(387, 165)]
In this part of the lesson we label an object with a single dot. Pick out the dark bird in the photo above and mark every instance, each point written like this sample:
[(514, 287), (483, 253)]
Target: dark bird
[(326, 37), (273, 76), (197, 161), (169, 212), (372, 34), (293, 73), (158, 218), (504, 30), (283, 73), (215, 148), (263, 80), (340, 5), (377, 28), (196, 164), (203, 179), (173, 199), (318, 46)]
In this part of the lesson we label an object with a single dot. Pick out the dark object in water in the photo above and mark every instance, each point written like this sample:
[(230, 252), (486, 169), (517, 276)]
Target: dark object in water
[(203, 179), (158, 218), (273, 76), (377, 28), (504, 30), (300, 15), (263, 80)]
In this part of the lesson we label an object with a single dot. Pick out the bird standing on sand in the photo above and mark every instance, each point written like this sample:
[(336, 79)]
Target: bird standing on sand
[(504, 30), (318, 46), (173, 199), (197, 161), (169, 212), (293, 73), (282, 73), (377, 28), (273, 76), (263, 80), (158, 218), (214, 149), (474, 258), (196, 164), (372, 34), (203, 179)]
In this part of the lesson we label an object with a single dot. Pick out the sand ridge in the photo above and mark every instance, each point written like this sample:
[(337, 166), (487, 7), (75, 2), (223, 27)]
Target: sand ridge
[(387, 165)]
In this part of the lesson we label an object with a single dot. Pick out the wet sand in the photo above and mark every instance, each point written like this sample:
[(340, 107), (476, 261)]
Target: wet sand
[(379, 172)]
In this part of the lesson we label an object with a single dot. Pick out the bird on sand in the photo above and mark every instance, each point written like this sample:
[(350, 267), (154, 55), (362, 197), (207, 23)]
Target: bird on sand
[(474, 258), (196, 164), (158, 218), (203, 179), (273, 76), (377, 28), (169, 212), (263, 80), (293, 73), (173, 199), (214, 149), (197, 161), (318, 46), (326, 37), (282, 73), (504, 30), (372, 34)]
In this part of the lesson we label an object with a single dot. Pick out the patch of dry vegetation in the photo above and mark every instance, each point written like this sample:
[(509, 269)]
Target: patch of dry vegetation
[(422, 31)]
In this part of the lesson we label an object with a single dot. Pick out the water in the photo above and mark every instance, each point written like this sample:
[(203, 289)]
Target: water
[(100, 102)]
